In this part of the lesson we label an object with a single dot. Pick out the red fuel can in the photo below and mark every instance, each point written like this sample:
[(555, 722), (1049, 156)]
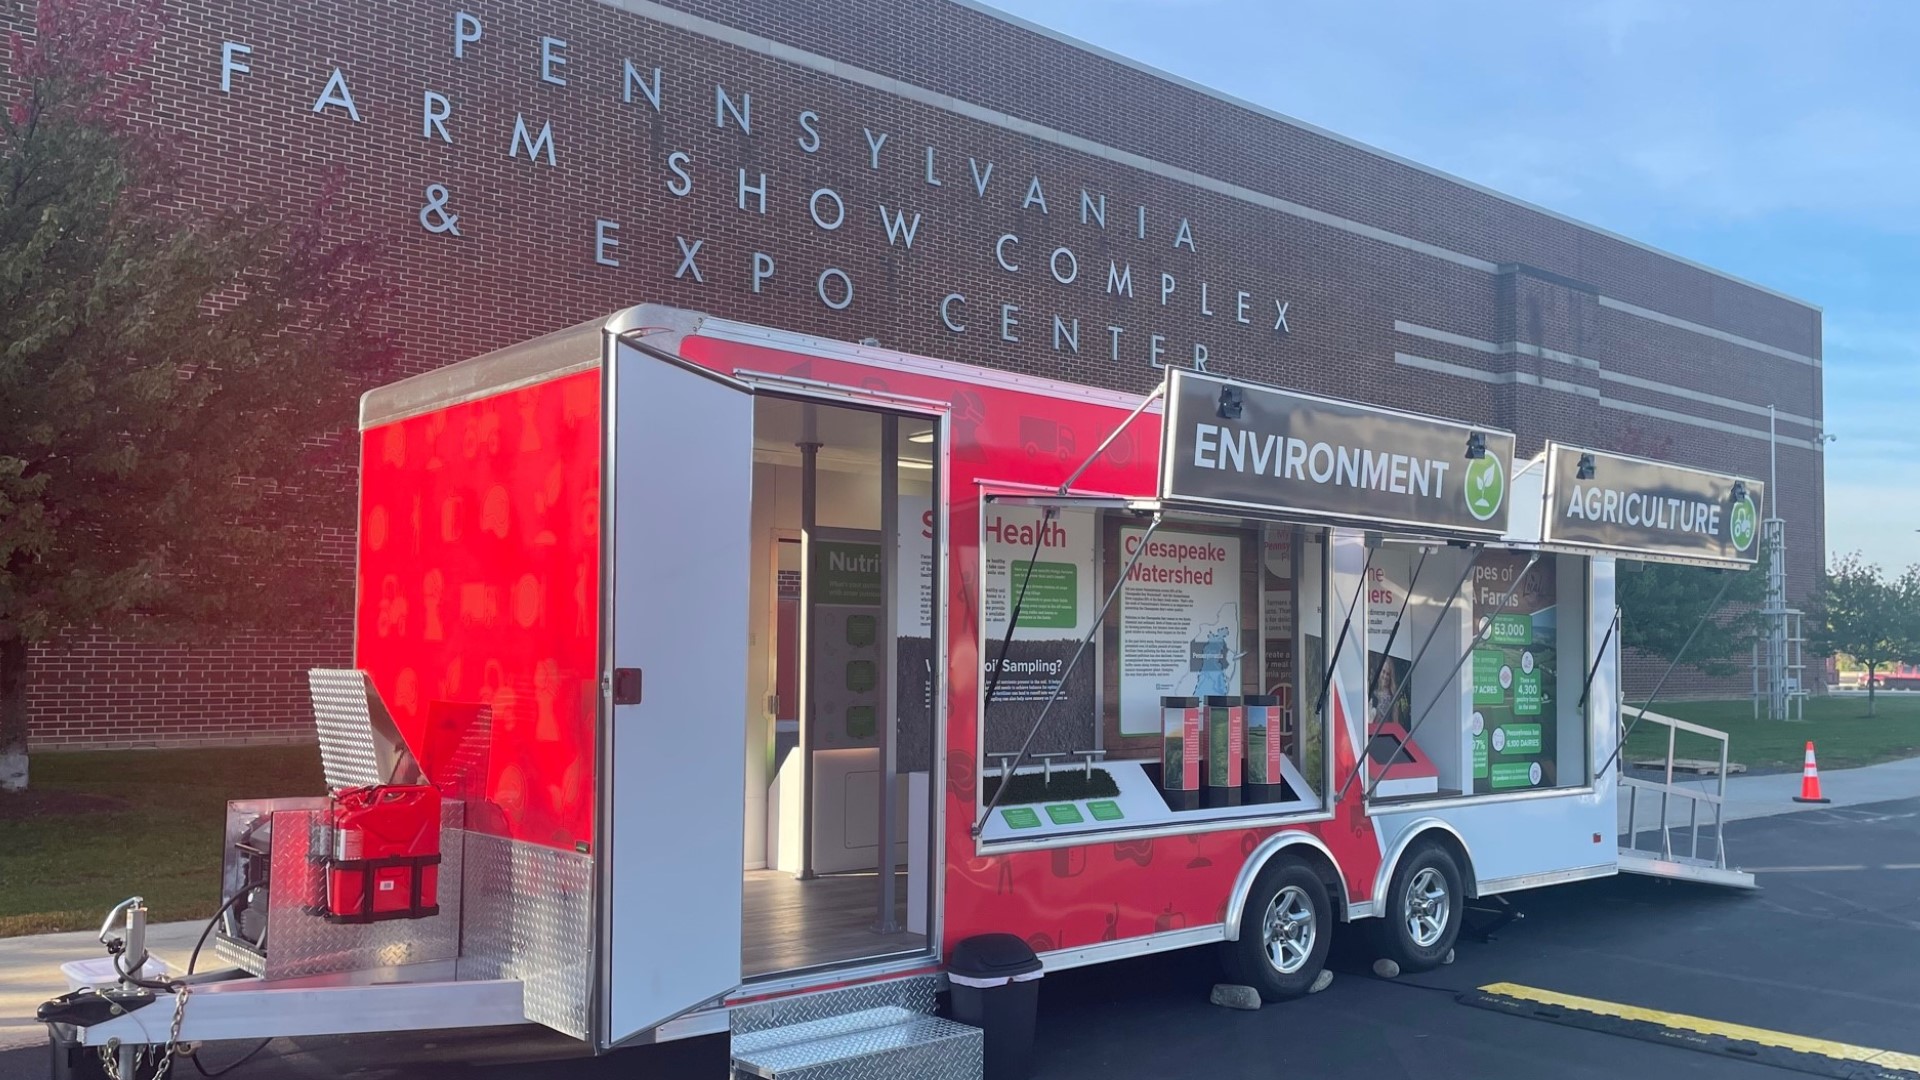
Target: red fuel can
[(385, 861)]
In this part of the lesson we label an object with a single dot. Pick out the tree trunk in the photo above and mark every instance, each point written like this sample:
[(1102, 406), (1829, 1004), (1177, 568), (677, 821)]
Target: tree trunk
[(13, 714), (1870, 681)]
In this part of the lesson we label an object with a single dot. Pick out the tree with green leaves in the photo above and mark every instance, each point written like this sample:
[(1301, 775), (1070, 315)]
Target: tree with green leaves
[(1662, 603), (1857, 611), (174, 380)]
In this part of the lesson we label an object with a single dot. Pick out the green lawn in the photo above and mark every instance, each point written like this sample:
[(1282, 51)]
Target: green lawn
[(100, 827), (1842, 734)]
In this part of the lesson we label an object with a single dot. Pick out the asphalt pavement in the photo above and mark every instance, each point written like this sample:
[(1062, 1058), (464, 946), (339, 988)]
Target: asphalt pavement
[(1826, 948)]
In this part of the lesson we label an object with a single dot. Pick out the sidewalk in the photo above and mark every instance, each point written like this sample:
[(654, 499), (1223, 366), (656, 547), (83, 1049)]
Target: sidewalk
[(1767, 795), (30, 971)]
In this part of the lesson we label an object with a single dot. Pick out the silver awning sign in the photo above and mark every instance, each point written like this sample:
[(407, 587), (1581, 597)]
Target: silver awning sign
[(1230, 444), (1631, 505)]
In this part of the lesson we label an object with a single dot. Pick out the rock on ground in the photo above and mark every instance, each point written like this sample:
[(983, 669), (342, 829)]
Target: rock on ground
[(1232, 996)]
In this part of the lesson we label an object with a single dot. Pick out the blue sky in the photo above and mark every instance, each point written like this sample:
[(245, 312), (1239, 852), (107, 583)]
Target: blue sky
[(1779, 142)]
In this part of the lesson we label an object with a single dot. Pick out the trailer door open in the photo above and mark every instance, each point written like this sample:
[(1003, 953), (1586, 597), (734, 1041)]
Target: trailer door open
[(680, 450)]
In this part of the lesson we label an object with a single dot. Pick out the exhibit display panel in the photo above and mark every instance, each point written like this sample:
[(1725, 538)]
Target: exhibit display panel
[(1185, 705), (1477, 663)]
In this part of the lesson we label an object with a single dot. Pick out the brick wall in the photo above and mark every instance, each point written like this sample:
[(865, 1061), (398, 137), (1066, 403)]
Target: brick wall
[(1400, 286)]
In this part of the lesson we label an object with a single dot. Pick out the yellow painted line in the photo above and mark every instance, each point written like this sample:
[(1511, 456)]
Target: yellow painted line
[(1892, 1059)]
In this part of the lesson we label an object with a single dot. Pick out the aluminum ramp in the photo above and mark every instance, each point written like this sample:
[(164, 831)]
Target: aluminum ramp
[(1660, 836)]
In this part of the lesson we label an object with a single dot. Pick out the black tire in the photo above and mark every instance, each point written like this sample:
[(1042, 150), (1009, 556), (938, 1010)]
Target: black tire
[(1417, 931), (1282, 965)]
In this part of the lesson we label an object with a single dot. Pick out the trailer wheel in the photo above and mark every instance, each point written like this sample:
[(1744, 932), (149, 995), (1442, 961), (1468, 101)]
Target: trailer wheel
[(1425, 903), (1285, 930)]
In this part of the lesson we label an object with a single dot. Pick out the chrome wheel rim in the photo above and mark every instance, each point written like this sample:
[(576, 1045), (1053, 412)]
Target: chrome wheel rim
[(1289, 930), (1427, 907)]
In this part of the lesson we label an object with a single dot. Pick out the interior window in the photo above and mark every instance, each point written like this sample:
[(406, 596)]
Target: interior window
[(1190, 705), (1454, 714), (1417, 627)]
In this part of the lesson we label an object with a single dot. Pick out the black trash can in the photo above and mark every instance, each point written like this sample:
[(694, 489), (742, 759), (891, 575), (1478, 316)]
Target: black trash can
[(995, 982)]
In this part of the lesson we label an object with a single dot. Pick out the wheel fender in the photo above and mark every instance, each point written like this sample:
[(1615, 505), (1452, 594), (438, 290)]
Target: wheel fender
[(1257, 861), (1408, 836)]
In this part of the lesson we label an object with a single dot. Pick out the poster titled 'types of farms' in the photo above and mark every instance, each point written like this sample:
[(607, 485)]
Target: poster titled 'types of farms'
[(1514, 667)]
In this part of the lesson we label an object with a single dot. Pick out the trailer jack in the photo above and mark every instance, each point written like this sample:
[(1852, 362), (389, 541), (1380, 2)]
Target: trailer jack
[(69, 1016), (1493, 913)]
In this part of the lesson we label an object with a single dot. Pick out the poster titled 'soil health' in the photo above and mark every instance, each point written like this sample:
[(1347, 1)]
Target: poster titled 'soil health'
[(1513, 673)]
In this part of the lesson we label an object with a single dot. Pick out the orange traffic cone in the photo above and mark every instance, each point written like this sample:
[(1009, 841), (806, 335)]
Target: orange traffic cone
[(1810, 780)]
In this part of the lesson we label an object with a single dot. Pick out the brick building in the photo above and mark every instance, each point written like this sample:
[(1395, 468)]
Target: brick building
[(945, 180)]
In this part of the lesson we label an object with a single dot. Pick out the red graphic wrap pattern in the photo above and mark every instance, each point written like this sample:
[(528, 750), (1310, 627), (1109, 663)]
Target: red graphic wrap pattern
[(1089, 893), (479, 598)]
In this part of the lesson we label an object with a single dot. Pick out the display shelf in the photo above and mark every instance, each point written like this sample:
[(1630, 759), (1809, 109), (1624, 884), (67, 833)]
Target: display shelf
[(1138, 805)]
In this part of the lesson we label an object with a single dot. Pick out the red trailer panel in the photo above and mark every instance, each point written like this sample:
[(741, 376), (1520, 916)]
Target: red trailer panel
[(479, 598)]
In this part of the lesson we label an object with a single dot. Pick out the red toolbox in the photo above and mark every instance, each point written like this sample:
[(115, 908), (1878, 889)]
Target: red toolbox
[(385, 858)]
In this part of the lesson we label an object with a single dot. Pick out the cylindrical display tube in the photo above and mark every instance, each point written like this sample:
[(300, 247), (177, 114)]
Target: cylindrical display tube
[(1266, 743), (1226, 746), (1180, 751)]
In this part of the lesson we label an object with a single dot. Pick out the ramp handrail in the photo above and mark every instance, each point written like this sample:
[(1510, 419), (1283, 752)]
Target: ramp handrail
[(1668, 790)]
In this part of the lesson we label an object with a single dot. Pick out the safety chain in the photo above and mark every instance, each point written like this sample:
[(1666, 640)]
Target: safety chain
[(173, 1033), (110, 1055)]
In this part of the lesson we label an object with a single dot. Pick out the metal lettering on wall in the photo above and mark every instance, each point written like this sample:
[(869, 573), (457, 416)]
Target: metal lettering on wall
[(1116, 267), (1233, 444), (1628, 504)]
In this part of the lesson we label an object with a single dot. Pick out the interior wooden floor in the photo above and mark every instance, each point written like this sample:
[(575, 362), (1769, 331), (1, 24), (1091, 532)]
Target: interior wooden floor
[(788, 923)]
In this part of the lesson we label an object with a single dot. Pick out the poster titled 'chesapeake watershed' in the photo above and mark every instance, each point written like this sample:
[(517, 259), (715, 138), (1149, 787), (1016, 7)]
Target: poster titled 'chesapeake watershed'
[(1514, 674), (1179, 622)]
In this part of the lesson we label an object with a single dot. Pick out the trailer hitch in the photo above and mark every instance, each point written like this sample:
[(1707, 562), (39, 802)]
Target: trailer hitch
[(90, 1005)]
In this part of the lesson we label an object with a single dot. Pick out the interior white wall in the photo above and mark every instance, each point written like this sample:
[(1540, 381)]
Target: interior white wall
[(1574, 653), (1442, 687), (1603, 700), (760, 663), (1347, 558)]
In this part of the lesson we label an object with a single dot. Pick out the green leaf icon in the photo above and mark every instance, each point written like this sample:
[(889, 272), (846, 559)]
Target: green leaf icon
[(1486, 487)]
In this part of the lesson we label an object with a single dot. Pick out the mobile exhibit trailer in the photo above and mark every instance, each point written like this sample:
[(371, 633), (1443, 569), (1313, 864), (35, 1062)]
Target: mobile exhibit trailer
[(714, 678)]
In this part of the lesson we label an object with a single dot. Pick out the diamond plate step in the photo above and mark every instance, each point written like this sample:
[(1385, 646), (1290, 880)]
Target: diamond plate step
[(915, 993), (878, 1043)]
